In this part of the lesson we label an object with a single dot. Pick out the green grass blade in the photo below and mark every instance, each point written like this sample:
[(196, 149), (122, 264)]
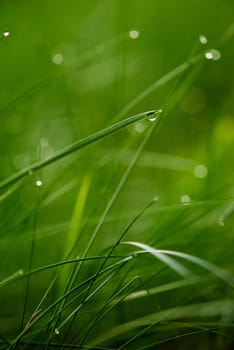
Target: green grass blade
[(217, 271), (174, 73), (70, 292), (161, 289), (174, 265), (75, 147), (73, 233), (211, 309)]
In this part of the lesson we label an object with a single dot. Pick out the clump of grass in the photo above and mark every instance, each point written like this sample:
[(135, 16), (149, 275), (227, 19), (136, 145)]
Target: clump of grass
[(77, 280)]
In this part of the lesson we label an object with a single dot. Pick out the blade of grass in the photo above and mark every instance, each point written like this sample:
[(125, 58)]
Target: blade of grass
[(175, 100), (142, 211), (160, 254), (21, 274), (75, 147), (174, 265), (73, 233), (30, 262), (59, 300), (224, 275), (161, 289), (160, 82), (113, 199), (15, 276), (86, 300), (9, 192), (115, 300), (203, 310), (174, 338)]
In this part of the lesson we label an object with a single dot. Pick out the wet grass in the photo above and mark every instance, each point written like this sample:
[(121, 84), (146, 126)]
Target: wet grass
[(117, 203)]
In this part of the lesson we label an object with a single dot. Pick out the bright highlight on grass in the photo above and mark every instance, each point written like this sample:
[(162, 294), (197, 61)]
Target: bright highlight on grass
[(38, 183), (57, 58), (213, 54), (6, 33), (134, 34), (200, 171), (185, 199), (203, 39)]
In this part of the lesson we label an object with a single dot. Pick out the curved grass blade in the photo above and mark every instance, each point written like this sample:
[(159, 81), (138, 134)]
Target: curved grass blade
[(162, 255), (9, 192), (59, 300), (113, 301), (217, 271), (203, 310), (174, 265), (15, 276), (161, 289), (113, 199), (21, 274), (75, 147), (160, 82)]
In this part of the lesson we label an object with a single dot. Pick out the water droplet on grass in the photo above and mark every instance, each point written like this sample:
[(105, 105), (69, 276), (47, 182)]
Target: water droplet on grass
[(57, 58), (185, 199), (152, 116), (200, 171), (203, 39), (38, 183), (213, 54), (6, 33), (56, 331), (208, 55), (139, 127), (134, 34)]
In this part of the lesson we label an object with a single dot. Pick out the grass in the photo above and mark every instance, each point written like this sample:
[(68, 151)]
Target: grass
[(116, 195)]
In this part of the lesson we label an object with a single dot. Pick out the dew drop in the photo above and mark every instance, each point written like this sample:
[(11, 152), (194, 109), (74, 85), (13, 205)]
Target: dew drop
[(134, 34), (152, 116), (200, 171), (139, 127), (208, 55), (57, 58), (216, 55), (6, 33), (38, 183), (155, 198), (203, 39), (213, 54), (56, 331), (185, 199)]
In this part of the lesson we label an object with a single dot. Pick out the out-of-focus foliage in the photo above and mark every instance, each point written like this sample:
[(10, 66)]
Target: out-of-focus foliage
[(72, 68)]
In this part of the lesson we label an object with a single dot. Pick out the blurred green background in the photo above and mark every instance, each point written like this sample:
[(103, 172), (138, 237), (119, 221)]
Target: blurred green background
[(68, 69)]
